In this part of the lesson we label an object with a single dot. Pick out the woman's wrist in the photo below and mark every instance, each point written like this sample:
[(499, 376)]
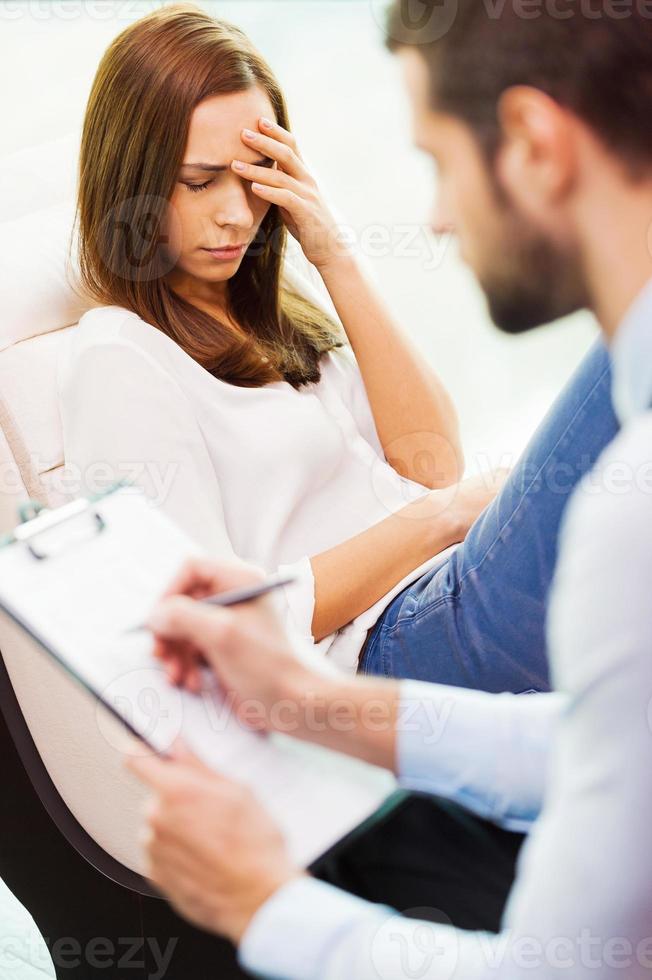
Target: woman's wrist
[(436, 521), (339, 260)]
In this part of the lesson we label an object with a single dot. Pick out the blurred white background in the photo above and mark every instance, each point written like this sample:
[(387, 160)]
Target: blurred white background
[(350, 115)]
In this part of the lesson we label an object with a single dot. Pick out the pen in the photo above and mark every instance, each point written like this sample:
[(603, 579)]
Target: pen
[(234, 596)]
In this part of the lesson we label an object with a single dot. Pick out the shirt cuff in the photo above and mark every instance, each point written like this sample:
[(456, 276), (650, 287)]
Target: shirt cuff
[(299, 598), (293, 932)]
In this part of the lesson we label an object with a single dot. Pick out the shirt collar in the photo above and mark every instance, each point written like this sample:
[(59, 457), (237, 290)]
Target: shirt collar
[(631, 358)]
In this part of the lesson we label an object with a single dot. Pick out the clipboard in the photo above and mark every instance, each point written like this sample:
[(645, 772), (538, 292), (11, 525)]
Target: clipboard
[(73, 579), (36, 521)]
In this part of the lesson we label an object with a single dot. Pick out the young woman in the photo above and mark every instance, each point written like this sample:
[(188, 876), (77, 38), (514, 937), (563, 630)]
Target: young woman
[(215, 374)]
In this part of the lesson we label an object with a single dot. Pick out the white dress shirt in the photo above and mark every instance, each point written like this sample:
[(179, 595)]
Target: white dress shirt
[(273, 475), (581, 906)]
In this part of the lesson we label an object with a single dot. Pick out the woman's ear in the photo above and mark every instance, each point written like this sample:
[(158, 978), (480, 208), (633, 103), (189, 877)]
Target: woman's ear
[(537, 160)]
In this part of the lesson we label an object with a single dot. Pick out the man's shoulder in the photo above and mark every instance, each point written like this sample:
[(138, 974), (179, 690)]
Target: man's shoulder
[(599, 605), (619, 486), (634, 440), (606, 533)]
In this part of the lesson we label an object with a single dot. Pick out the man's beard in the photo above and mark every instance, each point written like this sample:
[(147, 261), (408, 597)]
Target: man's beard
[(533, 279)]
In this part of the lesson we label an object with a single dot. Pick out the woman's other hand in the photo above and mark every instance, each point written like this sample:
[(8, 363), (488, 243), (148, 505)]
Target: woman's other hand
[(474, 495), (457, 506)]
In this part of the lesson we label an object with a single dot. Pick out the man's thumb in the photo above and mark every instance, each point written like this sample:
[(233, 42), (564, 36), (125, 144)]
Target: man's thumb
[(181, 752)]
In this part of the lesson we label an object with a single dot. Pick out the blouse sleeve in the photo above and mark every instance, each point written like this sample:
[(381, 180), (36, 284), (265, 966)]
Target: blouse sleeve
[(344, 374), (340, 365), (125, 417)]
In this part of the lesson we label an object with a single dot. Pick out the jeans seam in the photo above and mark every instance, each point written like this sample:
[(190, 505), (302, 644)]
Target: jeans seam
[(416, 616), (383, 659)]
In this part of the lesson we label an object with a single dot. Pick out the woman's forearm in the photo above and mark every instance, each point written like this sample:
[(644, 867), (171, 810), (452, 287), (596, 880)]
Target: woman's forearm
[(414, 415), (352, 576)]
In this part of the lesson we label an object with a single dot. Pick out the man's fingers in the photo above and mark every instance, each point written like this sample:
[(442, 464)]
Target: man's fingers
[(200, 577), (182, 663), (181, 619), (182, 753), (151, 770), (195, 574), (181, 770)]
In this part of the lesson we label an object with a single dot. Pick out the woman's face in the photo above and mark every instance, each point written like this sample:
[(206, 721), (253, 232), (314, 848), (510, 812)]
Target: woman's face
[(211, 206)]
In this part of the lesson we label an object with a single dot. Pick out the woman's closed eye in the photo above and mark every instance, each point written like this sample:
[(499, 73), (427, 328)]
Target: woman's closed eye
[(198, 187), (265, 162)]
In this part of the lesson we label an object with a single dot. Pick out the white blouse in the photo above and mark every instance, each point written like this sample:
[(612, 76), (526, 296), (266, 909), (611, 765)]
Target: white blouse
[(273, 475)]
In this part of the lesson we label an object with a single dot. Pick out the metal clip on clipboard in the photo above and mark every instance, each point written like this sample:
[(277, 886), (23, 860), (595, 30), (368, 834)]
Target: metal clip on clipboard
[(49, 522), (38, 521)]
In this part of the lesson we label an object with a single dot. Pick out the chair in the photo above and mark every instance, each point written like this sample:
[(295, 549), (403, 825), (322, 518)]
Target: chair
[(70, 812)]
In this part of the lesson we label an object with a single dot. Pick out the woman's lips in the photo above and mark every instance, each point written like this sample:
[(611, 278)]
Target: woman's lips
[(230, 252)]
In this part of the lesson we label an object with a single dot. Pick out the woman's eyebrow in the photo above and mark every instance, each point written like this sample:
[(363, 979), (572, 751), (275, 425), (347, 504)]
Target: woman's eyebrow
[(214, 168)]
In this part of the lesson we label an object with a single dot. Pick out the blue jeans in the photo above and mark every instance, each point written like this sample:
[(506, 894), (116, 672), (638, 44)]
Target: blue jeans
[(478, 618)]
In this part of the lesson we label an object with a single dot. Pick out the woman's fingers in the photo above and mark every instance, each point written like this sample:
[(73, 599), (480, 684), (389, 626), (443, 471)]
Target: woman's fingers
[(281, 152), (266, 175), (278, 195), (271, 128)]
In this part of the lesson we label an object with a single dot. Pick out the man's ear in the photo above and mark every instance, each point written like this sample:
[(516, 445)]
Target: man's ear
[(537, 160)]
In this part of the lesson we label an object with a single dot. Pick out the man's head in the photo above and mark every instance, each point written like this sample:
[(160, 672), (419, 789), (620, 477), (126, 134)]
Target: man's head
[(522, 104)]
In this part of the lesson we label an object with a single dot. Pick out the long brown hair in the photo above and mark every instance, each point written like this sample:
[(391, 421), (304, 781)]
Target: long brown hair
[(133, 139)]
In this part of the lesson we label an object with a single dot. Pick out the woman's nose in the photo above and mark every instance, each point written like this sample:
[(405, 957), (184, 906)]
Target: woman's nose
[(234, 207)]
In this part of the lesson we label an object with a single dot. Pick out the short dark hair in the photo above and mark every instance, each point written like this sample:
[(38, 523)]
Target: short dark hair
[(592, 56)]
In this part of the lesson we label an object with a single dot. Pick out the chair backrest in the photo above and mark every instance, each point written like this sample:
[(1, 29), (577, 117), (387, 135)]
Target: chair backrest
[(41, 302)]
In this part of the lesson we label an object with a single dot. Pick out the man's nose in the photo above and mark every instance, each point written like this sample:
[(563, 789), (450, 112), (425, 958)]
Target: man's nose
[(441, 220), (440, 225)]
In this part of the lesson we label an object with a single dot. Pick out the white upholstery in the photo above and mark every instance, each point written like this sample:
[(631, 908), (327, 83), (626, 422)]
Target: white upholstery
[(38, 177), (36, 280), (38, 307)]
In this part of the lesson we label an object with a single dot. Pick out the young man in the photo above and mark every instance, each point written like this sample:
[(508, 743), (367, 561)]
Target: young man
[(540, 124)]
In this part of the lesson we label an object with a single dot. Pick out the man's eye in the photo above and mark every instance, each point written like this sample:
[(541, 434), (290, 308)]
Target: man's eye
[(198, 187)]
